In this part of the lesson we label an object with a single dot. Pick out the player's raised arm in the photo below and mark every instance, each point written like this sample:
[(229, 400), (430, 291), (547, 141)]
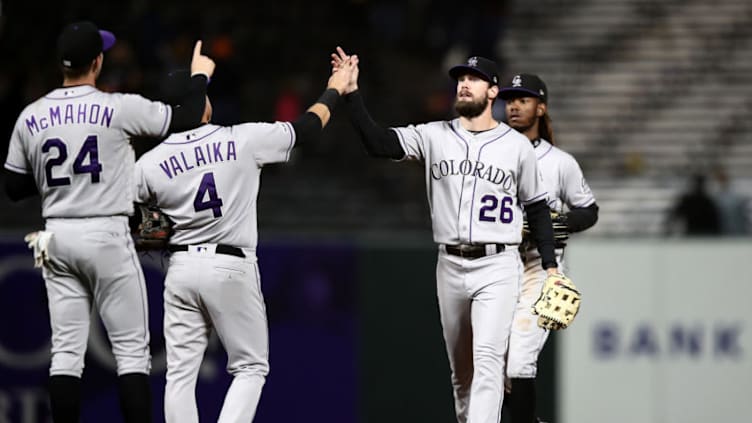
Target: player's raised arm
[(378, 141), (189, 112), (309, 125), (335, 87)]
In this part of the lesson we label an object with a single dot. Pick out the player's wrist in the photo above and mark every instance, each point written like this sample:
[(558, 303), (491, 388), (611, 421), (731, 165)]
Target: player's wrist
[(352, 94), (201, 74), (329, 98)]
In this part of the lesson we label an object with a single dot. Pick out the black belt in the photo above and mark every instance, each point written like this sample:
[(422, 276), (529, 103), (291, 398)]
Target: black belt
[(474, 250), (221, 249)]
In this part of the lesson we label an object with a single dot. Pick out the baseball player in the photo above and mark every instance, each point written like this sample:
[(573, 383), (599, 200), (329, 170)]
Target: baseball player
[(480, 176), (206, 180), (72, 147), (568, 195)]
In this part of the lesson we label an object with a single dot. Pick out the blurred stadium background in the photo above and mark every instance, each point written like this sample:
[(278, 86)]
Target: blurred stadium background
[(643, 93)]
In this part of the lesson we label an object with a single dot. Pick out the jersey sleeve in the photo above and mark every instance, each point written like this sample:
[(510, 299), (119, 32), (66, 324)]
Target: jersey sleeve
[(17, 160), (268, 142), (530, 184), (142, 117), (143, 193), (413, 140), (575, 191)]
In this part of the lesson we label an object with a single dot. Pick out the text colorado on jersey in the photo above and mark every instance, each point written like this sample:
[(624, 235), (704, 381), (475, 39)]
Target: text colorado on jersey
[(478, 169)]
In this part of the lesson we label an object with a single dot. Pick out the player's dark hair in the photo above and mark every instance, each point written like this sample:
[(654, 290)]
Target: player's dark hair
[(545, 129)]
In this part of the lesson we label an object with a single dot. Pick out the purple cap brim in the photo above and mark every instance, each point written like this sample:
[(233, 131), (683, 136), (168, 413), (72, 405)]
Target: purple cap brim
[(108, 39)]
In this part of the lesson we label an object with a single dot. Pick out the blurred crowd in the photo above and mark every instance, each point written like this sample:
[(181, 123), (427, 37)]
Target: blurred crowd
[(272, 62), (709, 208), (272, 57)]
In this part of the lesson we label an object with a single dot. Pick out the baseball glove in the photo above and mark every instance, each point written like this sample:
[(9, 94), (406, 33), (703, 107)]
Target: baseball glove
[(561, 230), (152, 230), (558, 303)]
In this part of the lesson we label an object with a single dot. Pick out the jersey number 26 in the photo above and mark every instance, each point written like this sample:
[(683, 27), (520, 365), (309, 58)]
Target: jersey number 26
[(490, 203)]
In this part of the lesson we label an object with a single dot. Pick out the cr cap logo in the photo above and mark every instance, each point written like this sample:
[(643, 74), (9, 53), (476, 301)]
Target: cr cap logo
[(517, 81), (541, 92), (473, 61)]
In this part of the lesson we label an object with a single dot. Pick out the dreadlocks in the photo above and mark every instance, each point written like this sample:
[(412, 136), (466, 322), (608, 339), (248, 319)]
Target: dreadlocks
[(545, 129)]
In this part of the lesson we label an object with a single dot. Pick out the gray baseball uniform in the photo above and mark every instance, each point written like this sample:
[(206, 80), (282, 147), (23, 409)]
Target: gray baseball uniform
[(566, 186), (75, 142), (207, 180), (477, 184)]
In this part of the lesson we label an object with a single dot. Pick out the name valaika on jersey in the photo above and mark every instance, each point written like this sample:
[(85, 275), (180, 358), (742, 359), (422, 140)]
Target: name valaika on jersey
[(198, 156)]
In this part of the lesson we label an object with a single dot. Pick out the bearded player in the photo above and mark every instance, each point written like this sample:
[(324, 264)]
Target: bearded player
[(480, 176)]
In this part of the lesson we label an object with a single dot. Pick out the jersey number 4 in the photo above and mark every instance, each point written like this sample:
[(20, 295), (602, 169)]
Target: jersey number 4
[(208, 189), (89, 150)]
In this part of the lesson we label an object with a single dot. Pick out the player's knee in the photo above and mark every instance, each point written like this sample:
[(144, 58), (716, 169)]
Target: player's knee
[(486, 361), (259, 369), (67, 363), (488, 354)]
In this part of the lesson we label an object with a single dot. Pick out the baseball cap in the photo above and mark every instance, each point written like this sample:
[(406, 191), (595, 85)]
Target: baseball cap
[(175, 86), (81, 42), (524, 85), (485, 68)]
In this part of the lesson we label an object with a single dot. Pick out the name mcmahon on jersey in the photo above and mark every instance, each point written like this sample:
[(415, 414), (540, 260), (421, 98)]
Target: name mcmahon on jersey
[(90, 114)]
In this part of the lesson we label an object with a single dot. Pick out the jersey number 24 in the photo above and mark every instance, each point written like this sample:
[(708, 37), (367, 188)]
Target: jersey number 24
[(89, 150)]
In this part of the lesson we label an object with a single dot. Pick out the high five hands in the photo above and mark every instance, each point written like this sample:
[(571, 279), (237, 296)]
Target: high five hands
[(341, 60), (342, 77)]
